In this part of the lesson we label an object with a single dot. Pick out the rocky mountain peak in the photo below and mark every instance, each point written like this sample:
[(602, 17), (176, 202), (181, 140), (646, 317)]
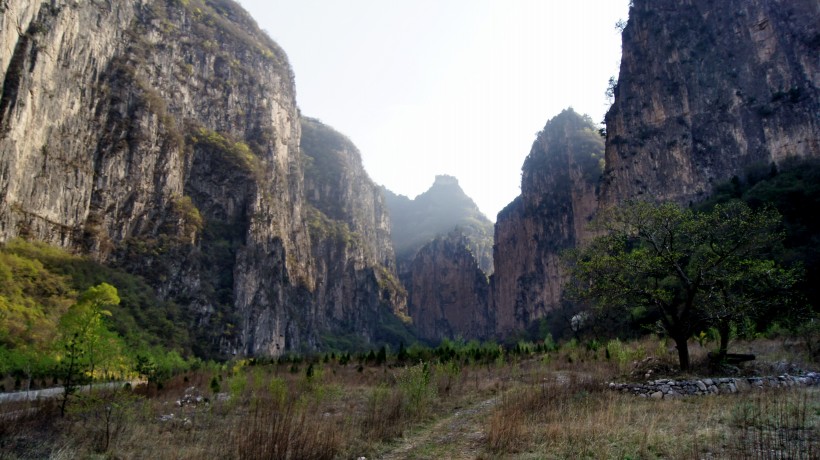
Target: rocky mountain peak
[(444, 180), (558, 198), (437, 211)]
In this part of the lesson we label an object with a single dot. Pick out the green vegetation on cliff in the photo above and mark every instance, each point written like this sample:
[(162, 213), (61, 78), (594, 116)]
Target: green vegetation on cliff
[(39, 284), (568, 140)]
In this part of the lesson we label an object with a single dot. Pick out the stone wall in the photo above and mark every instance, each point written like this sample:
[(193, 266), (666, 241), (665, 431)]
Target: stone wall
[(667, 388)]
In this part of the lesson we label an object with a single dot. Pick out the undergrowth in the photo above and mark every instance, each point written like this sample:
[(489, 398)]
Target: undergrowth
[(534, 404)]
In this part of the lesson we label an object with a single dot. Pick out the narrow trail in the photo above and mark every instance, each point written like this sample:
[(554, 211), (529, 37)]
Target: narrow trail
[(457, 436)]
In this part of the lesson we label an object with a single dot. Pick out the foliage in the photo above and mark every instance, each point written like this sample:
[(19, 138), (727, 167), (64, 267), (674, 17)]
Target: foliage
[(190, 215), (416, 385), (237, 153), (328, 157), (41, 306), (143, 320), (324, 228), (85, 345), (32, 299), (687, 266), (225, 20), (793, 188), (567, 139), (612, 85)]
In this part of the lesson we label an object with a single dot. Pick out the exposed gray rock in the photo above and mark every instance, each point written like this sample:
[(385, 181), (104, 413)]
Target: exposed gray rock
[(449, 293), (671, 388), (707, 89), (558, 197), (164, 139)]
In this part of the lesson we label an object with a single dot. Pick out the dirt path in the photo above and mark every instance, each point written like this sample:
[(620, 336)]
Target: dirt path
[(457, 436)]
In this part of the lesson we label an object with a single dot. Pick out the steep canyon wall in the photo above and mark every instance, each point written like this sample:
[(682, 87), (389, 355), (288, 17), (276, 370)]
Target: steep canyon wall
[(163, 137)]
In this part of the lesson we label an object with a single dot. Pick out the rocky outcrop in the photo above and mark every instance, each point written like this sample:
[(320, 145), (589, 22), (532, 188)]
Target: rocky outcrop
[(444, 255), (707, 89), (357, 286), (558, 198), (448, 292), (162, 137)]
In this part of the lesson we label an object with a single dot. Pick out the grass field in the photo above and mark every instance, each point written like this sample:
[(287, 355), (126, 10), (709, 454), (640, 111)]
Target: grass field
[(529, 405)]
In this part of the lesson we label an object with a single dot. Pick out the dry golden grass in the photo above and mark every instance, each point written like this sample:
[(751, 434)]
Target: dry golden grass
[(547, 406), (607, 425)]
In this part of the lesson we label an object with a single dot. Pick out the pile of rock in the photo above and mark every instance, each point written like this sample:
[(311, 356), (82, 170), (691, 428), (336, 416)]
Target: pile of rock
[(192, 398), (667, 388)]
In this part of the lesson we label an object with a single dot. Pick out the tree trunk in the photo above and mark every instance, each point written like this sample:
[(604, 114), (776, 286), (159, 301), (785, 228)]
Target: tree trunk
[(681, 343), (724, 330)]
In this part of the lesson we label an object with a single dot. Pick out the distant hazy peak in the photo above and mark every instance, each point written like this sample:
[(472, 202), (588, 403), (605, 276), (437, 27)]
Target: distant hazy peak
[(444, 179)]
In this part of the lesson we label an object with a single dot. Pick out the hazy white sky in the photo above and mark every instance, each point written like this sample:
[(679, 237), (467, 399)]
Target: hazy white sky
[(459, 87)]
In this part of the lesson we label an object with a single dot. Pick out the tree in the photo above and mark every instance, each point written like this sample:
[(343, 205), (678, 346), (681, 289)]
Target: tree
[(755, 287), (85, 343), (611, 88), (692, 269)]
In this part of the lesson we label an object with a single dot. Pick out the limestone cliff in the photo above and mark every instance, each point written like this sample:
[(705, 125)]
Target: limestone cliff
[(356, 282), (448, 291), (162, 136), (444, 255), (558, 198), (708, 88)]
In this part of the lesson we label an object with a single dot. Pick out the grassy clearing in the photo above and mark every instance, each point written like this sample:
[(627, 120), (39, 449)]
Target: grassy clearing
[(579, 420), (518, 405)]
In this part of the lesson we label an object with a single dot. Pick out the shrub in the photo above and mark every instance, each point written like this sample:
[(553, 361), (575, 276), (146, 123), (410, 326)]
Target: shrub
[(415, 384)]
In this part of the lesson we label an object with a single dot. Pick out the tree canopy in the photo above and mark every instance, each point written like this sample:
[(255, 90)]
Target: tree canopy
[(693, 269)]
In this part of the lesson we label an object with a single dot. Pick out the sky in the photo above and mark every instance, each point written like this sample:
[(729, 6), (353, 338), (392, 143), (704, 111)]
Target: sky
[(457, 87)]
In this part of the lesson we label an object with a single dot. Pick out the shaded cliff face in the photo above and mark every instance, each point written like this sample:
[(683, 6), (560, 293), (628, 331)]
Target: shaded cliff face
[(163, 137), (558, 199), (707, 89), (356, 282), (448, 291)]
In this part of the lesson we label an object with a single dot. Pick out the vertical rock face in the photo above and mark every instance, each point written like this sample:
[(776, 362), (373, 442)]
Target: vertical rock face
[(448, 291), (558, 198), (444, 254), (162, 137), (356, 282), (708, 88)]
